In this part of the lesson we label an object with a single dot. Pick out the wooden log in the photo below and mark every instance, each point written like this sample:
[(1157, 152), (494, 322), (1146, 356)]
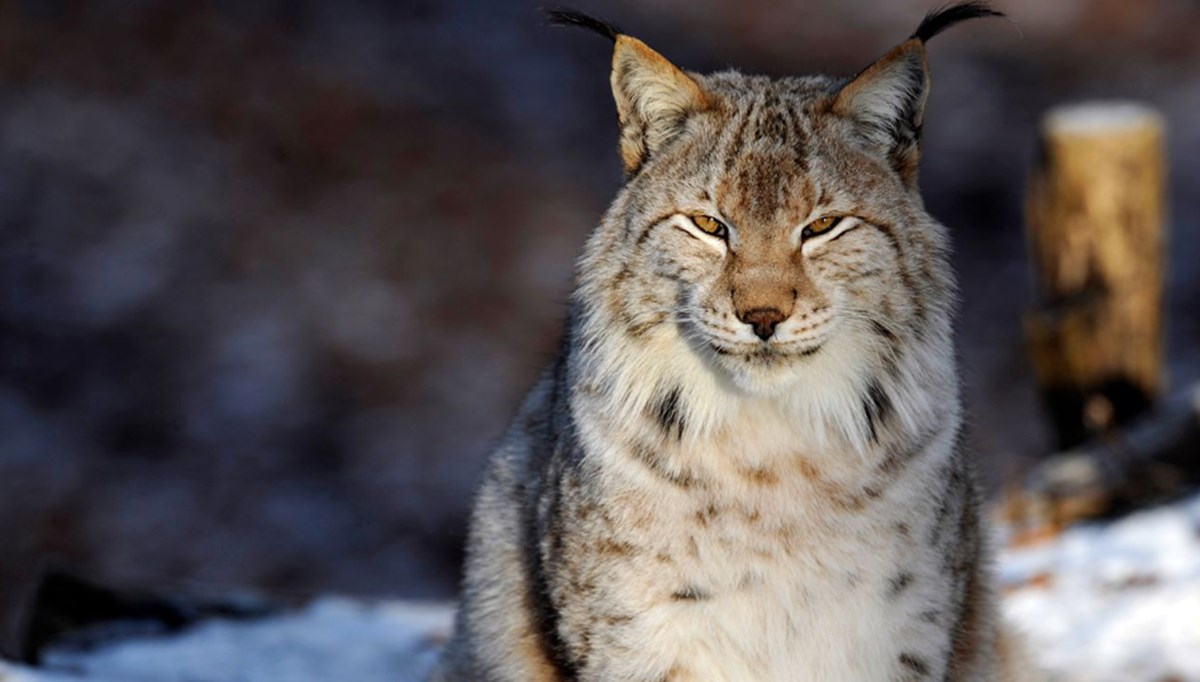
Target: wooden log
[(1095, 215), (1151, 460)]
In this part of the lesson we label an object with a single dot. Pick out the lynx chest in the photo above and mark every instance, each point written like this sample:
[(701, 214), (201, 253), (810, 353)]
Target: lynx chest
[(766, 576)]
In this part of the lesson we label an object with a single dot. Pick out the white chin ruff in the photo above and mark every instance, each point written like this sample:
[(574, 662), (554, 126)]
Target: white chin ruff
[(818, 395), (767, 377)]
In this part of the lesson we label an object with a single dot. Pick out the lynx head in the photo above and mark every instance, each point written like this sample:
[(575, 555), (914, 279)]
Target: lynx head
[(771, 227)]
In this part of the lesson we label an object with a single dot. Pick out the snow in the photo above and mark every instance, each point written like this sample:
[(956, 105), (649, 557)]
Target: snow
[(1115, 602), (332, 639), (12, 673)]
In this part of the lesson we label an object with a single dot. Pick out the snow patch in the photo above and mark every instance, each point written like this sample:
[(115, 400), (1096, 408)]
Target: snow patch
[(332, 639), (1116, 602)]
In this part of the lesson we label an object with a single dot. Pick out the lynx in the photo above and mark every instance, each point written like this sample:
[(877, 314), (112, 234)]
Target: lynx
[(744, 463)]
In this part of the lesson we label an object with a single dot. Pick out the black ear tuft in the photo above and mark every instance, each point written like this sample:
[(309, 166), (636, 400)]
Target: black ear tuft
[(942, 18), (562, 16)]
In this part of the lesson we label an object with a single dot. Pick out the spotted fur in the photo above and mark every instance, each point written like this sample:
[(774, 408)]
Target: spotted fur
[(744, 463)]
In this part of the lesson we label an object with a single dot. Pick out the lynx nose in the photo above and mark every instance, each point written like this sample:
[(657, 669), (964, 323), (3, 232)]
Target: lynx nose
[(763, 320)]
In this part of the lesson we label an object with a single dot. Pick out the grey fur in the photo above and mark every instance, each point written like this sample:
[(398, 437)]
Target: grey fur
[(673, 469)]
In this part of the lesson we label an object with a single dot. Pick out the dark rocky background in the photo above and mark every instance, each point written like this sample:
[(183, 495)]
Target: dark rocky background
[(273, 274)]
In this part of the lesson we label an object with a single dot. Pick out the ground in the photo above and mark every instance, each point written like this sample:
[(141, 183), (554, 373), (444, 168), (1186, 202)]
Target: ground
[(1113, 602), (1117, 602)]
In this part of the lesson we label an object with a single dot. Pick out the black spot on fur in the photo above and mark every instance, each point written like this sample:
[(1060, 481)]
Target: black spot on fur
[(668, 412), (899, 583), (810, 351), (705, 515), (562, 16), (689, 593), (943, 18), (941, 518), (914, 663), (877, 406), (653, 461)]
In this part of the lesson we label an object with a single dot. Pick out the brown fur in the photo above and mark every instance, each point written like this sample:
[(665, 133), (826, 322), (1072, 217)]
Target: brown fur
[(744, 461)]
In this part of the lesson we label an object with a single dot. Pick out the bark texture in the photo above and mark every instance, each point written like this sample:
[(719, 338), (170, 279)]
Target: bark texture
[(1095, 219)]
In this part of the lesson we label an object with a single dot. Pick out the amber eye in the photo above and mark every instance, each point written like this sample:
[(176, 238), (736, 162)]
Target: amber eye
[(710, 225), (821, 225)]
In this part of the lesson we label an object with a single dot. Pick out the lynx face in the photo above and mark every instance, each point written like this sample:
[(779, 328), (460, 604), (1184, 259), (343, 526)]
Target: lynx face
[(768, 251), (773, 234)]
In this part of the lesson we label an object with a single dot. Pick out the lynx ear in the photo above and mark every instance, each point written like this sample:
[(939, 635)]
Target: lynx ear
[(654, 97), (887, 99)]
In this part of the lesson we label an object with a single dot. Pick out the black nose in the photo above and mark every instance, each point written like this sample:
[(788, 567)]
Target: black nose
[(764, 321)]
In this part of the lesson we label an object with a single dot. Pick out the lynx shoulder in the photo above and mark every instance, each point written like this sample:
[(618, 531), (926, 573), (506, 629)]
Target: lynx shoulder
[(744, 463)]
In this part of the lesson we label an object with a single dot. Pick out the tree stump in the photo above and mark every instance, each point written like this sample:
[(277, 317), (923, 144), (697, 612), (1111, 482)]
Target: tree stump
[(1095, 217)]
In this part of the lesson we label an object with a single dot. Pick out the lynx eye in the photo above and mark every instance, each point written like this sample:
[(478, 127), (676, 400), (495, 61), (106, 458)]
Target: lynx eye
[(710, 225), (821, 225)]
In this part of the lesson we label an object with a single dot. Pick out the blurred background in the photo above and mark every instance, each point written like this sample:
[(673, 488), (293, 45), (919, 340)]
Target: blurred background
[(275, 273)]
